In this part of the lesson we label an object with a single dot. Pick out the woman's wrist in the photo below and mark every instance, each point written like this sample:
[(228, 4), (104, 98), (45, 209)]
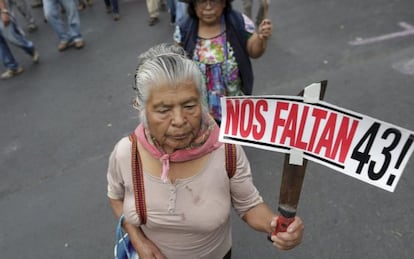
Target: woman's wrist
[(262, 41), (261, 37), (139, 239)]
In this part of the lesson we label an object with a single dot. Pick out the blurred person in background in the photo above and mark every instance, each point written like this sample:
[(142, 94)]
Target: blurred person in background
[(222, 41), (112, 6), (11, 32), (69, 32), (247, 10), (23, 8)]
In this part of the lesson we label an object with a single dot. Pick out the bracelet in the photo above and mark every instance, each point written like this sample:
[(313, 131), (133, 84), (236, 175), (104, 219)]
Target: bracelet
[(5, 11)]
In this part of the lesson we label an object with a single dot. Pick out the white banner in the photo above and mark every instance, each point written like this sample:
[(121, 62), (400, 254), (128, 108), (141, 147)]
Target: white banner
[(357, 145)]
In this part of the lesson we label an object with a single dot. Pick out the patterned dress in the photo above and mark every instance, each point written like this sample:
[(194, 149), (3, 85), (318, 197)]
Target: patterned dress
[(217, 62)]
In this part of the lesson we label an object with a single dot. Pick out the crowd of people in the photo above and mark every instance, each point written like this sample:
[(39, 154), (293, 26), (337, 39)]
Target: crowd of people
[(63, 18), (61, 15), (222, 41)]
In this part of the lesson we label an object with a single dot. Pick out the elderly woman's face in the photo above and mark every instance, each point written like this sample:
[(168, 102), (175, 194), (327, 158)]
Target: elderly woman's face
[(209, 11), (174, 115)]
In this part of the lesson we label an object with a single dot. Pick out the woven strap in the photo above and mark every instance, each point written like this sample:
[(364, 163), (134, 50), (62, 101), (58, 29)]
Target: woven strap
[(138, 180), (231, 156)]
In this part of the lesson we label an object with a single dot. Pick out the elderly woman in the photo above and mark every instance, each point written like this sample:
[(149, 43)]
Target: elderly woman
[(187, 192), (222, 41)]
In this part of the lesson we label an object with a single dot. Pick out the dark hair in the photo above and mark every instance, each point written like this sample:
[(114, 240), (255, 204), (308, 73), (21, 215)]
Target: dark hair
[(192, 12)]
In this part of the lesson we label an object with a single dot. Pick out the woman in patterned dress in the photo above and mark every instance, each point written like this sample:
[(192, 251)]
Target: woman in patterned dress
[(222, 41)]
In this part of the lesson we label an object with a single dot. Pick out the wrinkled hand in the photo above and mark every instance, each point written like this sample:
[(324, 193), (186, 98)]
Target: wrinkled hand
[(265, 29), (5, 18), (148, 250), (289, 239)]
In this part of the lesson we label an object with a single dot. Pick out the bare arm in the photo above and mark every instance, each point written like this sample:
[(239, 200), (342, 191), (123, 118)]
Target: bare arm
[(259, 218), (144, 247), (262, 218), (257, 43)]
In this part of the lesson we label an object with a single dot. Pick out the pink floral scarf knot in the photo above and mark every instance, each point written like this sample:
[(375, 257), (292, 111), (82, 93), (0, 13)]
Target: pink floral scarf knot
[(205, 142)]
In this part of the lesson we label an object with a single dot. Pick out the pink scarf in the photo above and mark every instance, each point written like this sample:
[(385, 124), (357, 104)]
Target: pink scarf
[(204, 143)]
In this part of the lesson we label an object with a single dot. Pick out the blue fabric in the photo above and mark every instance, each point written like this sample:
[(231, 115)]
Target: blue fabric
[(123, 247), (53, 16), (180, 11), (14, 34), (6, 56), (171, 6)]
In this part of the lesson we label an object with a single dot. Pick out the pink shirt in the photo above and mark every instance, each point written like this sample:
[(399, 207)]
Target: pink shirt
[(189, 218)]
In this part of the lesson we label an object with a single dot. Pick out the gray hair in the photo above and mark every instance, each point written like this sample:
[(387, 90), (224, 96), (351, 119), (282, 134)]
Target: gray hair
[(161, 64)]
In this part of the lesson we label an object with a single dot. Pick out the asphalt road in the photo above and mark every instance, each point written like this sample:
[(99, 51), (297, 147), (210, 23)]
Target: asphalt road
[(62, 117)]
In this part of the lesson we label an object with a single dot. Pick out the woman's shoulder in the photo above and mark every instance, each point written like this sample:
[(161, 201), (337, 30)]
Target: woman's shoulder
[(233, 151), (241, 21), (122, 148)]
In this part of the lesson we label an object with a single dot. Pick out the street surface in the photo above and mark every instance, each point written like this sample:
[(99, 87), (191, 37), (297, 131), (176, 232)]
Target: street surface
[(61, 118)]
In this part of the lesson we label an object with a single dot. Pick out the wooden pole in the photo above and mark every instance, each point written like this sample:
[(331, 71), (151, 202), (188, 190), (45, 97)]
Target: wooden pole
[(291, 185)]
